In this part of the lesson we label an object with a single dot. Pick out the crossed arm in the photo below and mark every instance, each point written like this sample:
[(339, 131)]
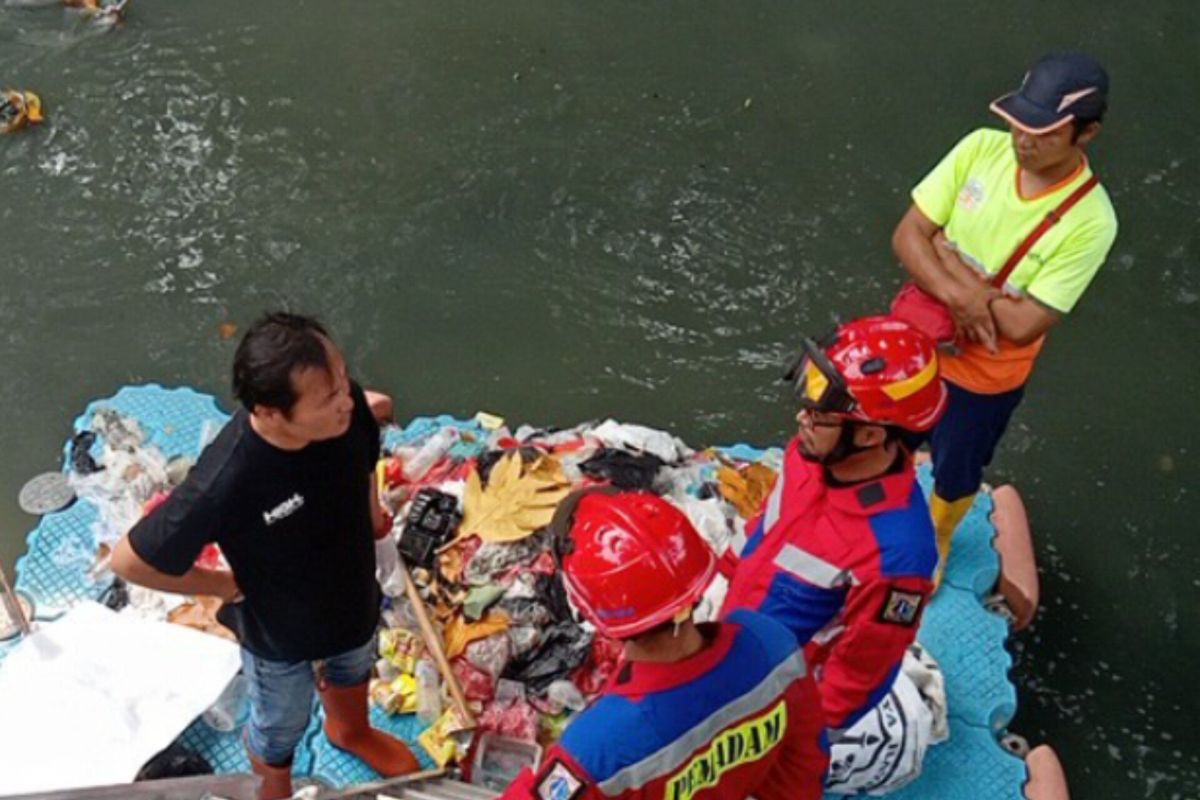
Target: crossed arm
[(982, 313)]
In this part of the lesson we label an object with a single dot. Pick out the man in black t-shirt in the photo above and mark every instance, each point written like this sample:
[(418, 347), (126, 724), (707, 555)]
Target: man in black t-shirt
[(287, 491)]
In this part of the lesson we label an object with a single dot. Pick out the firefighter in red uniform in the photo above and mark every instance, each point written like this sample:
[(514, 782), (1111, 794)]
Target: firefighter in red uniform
[(696, 711), (843, 552)]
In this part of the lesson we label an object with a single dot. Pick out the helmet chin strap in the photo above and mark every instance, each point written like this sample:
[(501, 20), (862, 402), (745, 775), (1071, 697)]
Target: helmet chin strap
[(845, 448), (681, 616)]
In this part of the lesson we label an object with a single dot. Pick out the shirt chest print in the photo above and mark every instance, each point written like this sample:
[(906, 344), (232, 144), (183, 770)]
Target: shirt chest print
[(972, 195), (284, 509)]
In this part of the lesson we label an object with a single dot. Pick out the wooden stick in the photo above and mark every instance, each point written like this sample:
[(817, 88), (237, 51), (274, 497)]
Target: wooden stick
[(14, 604), (433, 642)]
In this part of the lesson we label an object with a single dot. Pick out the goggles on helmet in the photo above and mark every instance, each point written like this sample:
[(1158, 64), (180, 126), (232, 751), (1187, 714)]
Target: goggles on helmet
[(817, 383)]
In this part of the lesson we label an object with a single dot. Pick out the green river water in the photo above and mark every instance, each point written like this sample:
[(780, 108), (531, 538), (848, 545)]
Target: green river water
[(562, 210)]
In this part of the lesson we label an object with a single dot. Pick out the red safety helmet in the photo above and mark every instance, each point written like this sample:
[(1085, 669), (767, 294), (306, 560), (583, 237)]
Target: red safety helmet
[(631, 560), (874, 369)]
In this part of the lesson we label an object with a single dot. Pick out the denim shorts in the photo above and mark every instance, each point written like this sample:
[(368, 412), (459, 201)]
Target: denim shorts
[(281, 697)]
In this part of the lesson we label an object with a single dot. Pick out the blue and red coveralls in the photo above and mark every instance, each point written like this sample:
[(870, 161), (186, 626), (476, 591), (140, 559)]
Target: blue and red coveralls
[(848, 569), (739, 718)]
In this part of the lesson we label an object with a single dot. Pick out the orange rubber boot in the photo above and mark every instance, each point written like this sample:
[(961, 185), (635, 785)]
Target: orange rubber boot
[(276, 781), (347, 727)]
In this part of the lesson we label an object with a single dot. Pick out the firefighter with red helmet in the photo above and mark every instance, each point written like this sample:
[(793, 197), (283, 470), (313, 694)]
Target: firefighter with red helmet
[(718, 710), (843, 551)]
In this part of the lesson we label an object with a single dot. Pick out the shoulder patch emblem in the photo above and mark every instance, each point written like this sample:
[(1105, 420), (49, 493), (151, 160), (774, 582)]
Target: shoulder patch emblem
[(559, 783), (901, 608)]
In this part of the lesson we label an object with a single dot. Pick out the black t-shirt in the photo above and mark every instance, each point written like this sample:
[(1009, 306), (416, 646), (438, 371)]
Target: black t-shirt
[(295, 527)]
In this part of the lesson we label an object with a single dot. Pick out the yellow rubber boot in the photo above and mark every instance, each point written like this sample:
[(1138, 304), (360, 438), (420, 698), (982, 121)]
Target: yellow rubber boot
[(946, 516)]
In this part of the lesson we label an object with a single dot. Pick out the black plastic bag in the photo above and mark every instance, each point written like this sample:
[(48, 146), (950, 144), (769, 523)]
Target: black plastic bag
[(563, 648), (623, 469), (174, 762)]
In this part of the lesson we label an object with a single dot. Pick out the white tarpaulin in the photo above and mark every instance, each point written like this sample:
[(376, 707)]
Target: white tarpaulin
[(88, 699)]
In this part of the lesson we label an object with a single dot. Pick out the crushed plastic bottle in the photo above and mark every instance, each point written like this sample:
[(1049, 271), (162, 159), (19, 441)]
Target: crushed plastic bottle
[(232, 707), (429, 691), (567, 695), (433, 451)]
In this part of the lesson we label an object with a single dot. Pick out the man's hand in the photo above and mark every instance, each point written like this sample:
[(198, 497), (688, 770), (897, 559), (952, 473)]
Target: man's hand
[(969, 300), (220, 583), (973, 316), (225, 586), (933, 264)]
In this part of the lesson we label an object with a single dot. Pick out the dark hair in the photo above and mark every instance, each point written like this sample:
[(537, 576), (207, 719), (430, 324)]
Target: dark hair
[(275, 345), (1096, 115)]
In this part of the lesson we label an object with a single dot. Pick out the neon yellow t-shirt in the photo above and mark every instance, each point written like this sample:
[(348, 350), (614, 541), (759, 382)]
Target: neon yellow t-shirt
[(973, 194)]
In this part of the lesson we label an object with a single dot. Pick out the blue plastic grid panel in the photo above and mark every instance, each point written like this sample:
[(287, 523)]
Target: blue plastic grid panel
[(176, 421), (223, 750), (226, 752), (971, 765), (974, 564), (61, 550), (339, 768), (968, 643), (60, 553)]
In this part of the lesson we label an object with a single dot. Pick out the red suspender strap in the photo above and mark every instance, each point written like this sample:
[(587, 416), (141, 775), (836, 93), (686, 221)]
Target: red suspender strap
[(1046, 224)]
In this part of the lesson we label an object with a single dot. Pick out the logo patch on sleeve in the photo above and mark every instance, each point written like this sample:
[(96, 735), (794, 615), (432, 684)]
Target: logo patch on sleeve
[(901, 608), (559, 783)]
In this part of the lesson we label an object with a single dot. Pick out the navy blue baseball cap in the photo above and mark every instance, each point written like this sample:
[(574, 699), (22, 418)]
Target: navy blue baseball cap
[(1059, 88)]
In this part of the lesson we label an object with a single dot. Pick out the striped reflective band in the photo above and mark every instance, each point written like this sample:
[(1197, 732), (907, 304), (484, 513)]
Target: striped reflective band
[(774, 501), (674, 755), (812, 569), (909, 386)]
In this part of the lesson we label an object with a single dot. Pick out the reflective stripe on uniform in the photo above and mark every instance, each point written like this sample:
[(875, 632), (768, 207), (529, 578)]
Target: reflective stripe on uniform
[(775, 501), (813, 569), (674, 755), (738, 542)]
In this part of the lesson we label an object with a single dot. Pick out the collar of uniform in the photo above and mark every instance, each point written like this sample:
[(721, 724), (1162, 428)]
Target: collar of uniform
[(885, 493), (635, 678)]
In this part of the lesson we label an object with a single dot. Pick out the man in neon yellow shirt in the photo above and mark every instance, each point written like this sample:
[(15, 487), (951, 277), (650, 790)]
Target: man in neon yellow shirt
[(968, 216)]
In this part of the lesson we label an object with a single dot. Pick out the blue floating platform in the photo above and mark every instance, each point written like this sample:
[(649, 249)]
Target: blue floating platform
[(60, 552), (967, 640), (226, 753), (179, 422), (970, 765)]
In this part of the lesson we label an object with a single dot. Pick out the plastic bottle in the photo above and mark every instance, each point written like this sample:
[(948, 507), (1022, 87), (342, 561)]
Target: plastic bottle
[(567, 695), (429, 691), (434, 449), (232, 707)]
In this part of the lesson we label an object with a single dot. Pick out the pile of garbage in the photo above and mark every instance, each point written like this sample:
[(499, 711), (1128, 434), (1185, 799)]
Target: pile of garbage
[(472, 506), (471, 502)]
